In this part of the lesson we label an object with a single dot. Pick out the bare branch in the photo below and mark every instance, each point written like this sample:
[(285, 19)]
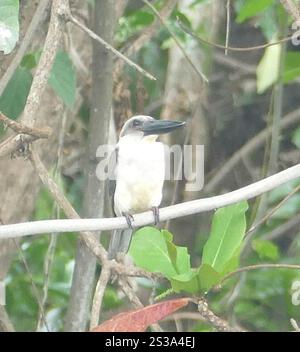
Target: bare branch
[(231, 48), (273, 210), (260, 266), (20, 128), (171, 212), (108, 47), (98, 296), (52, 42), (215, 321)]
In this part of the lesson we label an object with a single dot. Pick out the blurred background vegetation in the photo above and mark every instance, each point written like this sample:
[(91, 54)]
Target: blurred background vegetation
[(247, 92)]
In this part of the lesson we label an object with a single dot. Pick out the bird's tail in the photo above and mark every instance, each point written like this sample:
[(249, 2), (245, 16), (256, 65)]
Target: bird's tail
[(119, 243)]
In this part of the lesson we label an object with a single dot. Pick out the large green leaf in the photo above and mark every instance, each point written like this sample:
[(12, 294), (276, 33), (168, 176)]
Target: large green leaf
[(63, 78), (9, 25), (154, 251), (252, 8), (13, 99), (149, 250), (227, 233), (268, 68)]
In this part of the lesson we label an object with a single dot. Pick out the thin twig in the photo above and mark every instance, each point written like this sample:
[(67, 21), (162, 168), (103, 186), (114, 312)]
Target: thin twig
[(227, 26), (282, 229), (273, 210), (34, 24), (176, 40), (34, 288), (231, 48), (110, 48), (49, 257), (98, 296), (146, 35), (259, 266)]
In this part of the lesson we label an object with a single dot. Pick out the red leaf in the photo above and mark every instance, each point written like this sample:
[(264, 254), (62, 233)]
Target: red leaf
[(138, 320)]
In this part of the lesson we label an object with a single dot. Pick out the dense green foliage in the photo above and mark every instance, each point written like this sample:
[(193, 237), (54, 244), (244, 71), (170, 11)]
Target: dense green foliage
[(264, 296)]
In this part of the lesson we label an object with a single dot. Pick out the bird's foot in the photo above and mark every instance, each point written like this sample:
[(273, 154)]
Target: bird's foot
[(155, 211), (129, 220)]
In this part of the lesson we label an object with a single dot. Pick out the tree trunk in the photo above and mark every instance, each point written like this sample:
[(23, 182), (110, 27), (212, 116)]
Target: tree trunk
[(103, 17)]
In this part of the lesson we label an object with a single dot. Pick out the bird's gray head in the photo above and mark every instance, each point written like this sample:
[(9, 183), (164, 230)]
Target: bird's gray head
[(146, 125)]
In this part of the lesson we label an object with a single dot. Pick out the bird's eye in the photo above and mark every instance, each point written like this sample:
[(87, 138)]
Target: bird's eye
[(135, 123)]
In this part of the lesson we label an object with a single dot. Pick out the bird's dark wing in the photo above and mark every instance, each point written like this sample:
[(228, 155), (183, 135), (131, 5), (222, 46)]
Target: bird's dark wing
[(120, 239), (111, 183)]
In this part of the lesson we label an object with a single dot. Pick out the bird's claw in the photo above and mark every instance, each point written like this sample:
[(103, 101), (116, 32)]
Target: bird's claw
[(129, 220), (155, 211)]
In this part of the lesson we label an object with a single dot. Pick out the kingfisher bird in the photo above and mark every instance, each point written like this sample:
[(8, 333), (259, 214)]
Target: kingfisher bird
[(138, 174)]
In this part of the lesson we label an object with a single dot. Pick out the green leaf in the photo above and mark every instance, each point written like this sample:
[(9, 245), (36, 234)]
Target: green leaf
[(149, 250), (196, 281), (31, 60), (154, 251), (13, 99), (252, 8), (182, 17), (132, 23), (227, 233), (9, 25), (266, 249), (291, 66), (178, 255), (141, 18), (268, 69), (63, 78)]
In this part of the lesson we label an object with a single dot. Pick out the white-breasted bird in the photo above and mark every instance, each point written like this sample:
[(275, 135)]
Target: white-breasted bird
[(139, 174)]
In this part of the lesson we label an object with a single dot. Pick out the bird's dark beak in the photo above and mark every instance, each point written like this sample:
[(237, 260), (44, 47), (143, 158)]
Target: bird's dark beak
[(160, 126)]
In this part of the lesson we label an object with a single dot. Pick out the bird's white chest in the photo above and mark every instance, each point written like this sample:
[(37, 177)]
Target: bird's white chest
[(140, 175)]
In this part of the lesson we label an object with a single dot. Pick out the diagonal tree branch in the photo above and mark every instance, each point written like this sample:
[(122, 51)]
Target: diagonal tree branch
[(20, 128), (291, 8)]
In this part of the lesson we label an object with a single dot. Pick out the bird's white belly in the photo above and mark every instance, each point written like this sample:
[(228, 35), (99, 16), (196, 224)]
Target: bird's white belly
[(140, 176)]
